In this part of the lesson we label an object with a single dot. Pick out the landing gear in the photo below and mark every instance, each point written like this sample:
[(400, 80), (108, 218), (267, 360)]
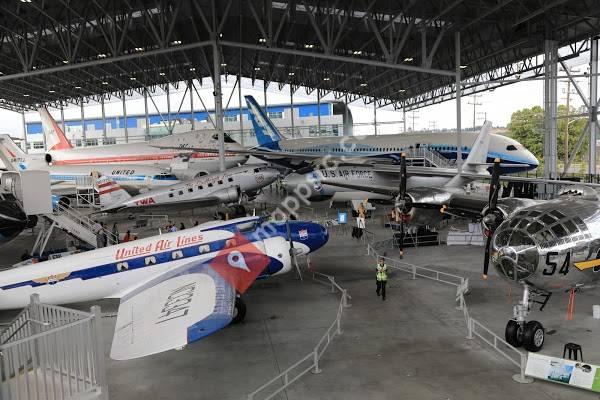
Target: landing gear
[(519, 332), (239, 313)]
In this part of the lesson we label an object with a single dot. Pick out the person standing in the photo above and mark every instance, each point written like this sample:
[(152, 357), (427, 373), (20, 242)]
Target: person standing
[(381, 277)]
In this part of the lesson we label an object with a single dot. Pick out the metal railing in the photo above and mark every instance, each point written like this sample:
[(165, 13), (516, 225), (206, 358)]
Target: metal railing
[(84, 221), (52, 353), (474, 327), (310, 362)]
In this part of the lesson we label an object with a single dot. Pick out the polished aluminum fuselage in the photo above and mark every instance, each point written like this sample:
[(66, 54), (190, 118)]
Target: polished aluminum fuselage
[(544, 245)]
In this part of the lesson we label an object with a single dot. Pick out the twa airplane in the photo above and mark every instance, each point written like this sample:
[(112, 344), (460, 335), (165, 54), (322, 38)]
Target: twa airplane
[(133, 178), (61, 152), (218, 188), (174, 288)]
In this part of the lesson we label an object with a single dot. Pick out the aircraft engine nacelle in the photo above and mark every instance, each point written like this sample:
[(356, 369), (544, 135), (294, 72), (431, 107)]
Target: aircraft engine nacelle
[(578, 191), (229, 195), (422, 205), (186, 174)]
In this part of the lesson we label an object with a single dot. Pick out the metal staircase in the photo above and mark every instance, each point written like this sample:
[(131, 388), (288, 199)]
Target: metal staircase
[(424, 157), (74, 223)]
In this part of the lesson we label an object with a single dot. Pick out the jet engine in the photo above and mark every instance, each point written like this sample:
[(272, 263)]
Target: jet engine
[(579, 191)]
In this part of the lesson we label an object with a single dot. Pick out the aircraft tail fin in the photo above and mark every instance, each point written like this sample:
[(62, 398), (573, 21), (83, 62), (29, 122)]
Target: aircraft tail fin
[(55, 137), (267, 134), (477, 158), (11, 154), (110, 192)]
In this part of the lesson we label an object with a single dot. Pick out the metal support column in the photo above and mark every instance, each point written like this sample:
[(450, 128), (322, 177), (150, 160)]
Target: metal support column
[(191, 90), (169, 127), (346, 121), (24, 132), (292, 109), (593, 105), (62, 118), (103, 120), (125, 118), (218, 103), (458, 100), (550, 108), (375, 115), (404, 119), (146, 119), (83, 136), (319, 112), (241, 110)]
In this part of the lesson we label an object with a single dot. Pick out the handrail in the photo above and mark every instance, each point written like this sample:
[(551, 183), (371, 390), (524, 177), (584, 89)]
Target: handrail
[(84, 221), (334, 329), (472, 324)]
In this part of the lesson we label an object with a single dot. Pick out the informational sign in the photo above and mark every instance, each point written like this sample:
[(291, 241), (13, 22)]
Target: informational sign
[(568, 372), (342, 217)]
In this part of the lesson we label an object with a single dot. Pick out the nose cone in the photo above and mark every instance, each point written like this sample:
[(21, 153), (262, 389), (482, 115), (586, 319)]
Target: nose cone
[(309, 235), (292, 181), (270, 175), (531, 160)]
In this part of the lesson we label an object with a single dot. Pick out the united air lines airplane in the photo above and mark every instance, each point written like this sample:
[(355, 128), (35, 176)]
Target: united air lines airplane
[(174, 288), (61, 152), (131, 177)]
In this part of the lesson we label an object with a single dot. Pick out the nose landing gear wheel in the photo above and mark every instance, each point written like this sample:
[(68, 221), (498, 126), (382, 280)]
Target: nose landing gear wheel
[(533, 336), (514, 333), (239, 313)]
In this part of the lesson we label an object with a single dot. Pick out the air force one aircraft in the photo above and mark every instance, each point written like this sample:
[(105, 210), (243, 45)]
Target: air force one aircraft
[(273, 146), (133, 178), (61, 152), (218, 188), (174, 288)]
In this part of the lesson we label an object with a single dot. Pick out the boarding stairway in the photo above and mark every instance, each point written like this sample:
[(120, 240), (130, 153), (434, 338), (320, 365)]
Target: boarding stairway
[(73, 222), (425, 157)]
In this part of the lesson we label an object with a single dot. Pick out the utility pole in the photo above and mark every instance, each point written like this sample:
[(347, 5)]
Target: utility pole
[(414, 115), (567, 98), (475, 104)]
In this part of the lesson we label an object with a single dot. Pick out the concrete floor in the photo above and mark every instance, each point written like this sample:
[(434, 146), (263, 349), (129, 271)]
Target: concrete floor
[(410, 346)]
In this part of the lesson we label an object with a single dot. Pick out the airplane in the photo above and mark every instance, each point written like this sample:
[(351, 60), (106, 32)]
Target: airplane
[(133, 178), (217, 188), (183, 165), (174, 288), (303, 154), (348, 181), (13, 219)]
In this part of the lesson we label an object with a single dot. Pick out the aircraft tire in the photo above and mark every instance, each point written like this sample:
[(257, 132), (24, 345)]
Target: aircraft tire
[(512, 334), (534, 336), (240, 311)]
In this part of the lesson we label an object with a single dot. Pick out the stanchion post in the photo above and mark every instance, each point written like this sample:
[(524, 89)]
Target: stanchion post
[(99, 352), (345, 299), (470, 328), (414, 271), (332, 280), (316, 369)]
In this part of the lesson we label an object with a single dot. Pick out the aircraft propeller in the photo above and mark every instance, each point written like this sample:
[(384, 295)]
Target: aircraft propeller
[(402, 200), (492, 216), (292, 249)]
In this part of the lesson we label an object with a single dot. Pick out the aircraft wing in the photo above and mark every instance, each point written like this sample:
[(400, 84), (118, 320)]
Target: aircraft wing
[(185, 304)]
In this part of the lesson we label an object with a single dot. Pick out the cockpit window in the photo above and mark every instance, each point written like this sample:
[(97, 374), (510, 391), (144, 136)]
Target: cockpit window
[(511, 147), (226, 139), (165, 177), (534, 213), (534, 227), (559, 230), (557, 214), (256, 169), (547, 219), (571, 227)]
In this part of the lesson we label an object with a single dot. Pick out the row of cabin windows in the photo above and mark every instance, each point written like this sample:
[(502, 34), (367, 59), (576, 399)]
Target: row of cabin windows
[(151, 260), (388, 149), (200, 187)]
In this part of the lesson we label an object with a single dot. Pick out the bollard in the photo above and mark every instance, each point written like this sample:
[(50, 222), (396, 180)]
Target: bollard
[(316, 369)]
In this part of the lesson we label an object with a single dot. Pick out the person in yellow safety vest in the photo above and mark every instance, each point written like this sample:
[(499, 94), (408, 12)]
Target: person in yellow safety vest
[(381, 277)]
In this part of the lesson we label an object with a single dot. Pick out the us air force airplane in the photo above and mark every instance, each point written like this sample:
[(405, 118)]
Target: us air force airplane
[(218, 188), (61, 152), (293, 153), (133, 178), (174, 288)]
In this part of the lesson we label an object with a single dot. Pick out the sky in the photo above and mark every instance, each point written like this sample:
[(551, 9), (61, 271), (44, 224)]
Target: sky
[(496, 105)]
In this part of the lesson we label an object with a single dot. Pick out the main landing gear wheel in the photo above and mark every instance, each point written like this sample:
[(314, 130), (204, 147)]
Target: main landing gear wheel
[(514, 333), (239, 313), (533, 336)]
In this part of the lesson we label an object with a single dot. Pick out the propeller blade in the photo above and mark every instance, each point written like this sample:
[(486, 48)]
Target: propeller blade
[(403, 176), (494, 185), (486, 260), (402, 236)]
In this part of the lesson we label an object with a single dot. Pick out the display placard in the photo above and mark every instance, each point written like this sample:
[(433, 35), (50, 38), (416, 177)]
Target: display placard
[(568, 372)]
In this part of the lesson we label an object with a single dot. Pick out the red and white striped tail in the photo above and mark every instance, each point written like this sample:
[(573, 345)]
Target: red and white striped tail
[(55, 137), (110, 192)]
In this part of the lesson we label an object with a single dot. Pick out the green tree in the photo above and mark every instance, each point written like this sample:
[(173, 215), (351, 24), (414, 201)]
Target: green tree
[(527, 127)]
